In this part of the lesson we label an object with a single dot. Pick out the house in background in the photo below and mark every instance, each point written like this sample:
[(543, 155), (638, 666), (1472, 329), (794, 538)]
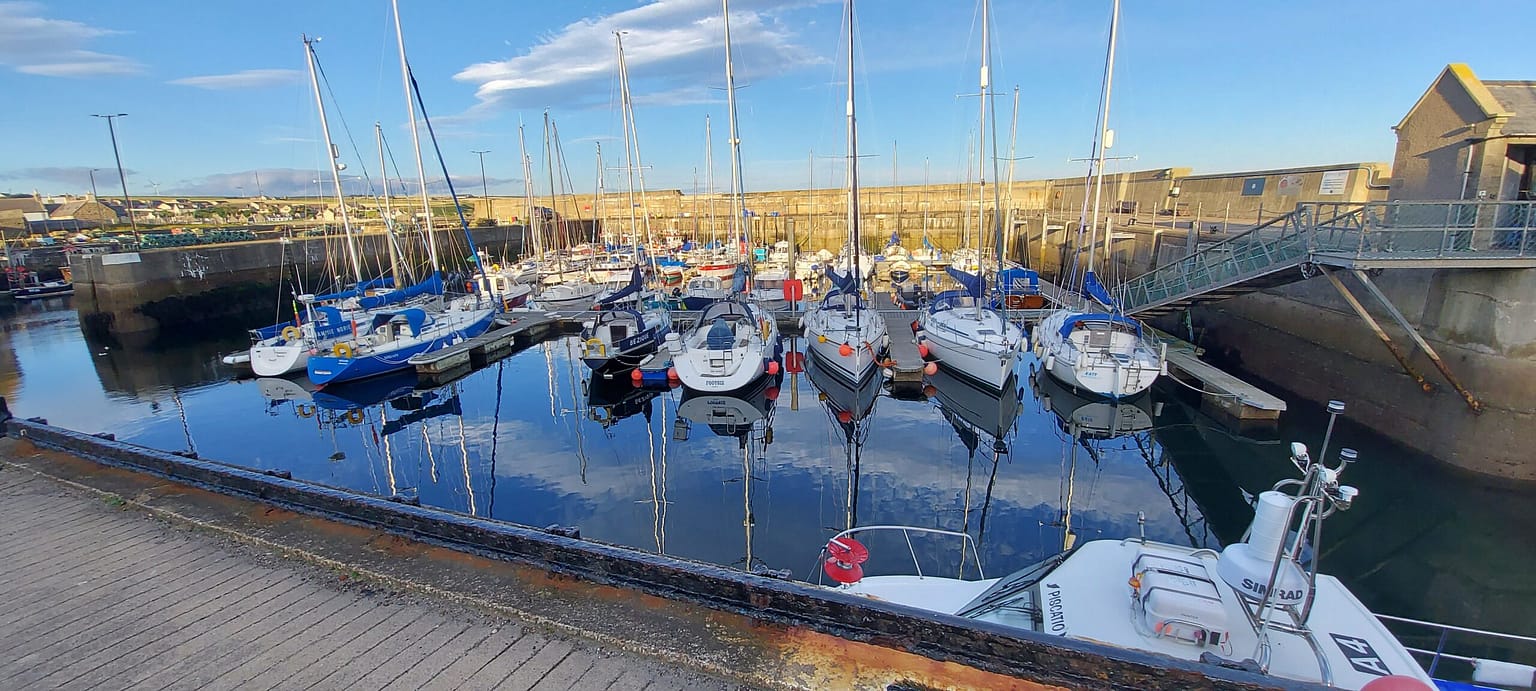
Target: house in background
[(1467, 138)]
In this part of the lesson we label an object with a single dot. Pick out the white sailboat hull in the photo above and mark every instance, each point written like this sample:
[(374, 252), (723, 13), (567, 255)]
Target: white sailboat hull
[(736, 361), (983, 349), (277, 360), (862, 330), (1115, 364)]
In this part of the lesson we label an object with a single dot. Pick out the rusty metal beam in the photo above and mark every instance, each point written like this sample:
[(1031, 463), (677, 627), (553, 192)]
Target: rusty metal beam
[(1445, 370), (1402, 358)]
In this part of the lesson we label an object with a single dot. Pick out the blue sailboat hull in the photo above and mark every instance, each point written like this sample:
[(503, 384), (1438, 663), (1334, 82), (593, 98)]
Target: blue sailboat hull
[(330, 369)]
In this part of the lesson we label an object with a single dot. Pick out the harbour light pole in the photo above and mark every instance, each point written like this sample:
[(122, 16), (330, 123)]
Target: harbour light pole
[(93, 184), (127, 201), (490, 206)]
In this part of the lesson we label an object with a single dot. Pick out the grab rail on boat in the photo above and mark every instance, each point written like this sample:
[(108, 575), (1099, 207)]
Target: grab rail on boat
[(1445, 631), (906, 531)]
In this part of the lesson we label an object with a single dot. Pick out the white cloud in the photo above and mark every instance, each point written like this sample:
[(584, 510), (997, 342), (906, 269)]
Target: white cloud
[(674, 50), (247, 79), (33, 44)]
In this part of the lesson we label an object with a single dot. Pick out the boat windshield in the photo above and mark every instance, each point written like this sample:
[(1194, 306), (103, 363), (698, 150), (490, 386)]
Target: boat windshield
[(951, 299)]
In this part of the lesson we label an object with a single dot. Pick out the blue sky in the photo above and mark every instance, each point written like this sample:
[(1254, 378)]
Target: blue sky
[(215, 91)]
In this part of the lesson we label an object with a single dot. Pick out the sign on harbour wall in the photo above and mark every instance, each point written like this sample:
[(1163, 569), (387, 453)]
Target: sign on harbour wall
[(1333, 183), (1253, 187), (1290, 185)]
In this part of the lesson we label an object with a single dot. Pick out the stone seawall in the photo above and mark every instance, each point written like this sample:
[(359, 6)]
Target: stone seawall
[(135, 294), (1305, 338)]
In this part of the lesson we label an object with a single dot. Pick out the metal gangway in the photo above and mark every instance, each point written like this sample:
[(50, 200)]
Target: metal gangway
[(1321, 238), (1343, 235)]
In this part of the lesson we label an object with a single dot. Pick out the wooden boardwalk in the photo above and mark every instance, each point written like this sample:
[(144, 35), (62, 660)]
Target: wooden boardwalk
[(94, 596)]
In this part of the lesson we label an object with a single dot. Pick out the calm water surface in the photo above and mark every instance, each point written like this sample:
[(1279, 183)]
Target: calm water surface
[(766, 478)]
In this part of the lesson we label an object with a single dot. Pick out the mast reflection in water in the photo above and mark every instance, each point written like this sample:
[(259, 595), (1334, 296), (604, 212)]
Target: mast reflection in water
[(765, 479)]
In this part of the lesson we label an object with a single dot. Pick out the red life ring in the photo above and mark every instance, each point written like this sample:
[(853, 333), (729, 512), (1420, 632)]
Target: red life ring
[(844, 555)]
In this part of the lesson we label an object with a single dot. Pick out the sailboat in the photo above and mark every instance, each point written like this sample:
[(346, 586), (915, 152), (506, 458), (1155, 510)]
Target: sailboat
[(564, 289), (1101, 351), (397, 328), (842, 329), (964, 333), (323, 320), (735, 341), (621, 337)]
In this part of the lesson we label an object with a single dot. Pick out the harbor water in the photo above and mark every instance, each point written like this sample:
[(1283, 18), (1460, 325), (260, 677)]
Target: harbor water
[(762, 480)]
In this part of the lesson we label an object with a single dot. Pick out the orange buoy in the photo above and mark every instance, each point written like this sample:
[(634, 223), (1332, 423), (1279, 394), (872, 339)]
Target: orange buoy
[(1388, 683), (772, 393), (922, 349), (929, 391), (844, 416), (636, 375), (772, 368), (845, 350), (931, 368), (672, 374)]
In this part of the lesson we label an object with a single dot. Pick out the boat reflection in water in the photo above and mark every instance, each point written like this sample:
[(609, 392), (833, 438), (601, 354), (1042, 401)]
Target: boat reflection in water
[(851, 408), (1087, 423), (974, 410), (1086, 418), (611, 400), (977, 414), (747, 416), (366, 408)]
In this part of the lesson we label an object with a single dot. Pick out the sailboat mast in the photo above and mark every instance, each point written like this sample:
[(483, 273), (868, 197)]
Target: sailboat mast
[(396, 263), (730, 106), (332, 154), (531, 227), (1102, 132), (632, 161), (991, 105), (709, 182), (557, 232), (599, 205), (853, 164), (410, 110)]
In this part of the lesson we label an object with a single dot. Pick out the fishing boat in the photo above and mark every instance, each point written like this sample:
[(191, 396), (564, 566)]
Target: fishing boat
[(620, 338), (1259, 604), (33, 288), (1102, 351), (842, 329)]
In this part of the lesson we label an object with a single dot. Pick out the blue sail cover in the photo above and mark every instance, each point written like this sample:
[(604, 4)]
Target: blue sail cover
[(1020, 281), (895, 239), (357, 290), (739, 281), (635, 283), (433, 285), (972, 284), (1097, 291), (841, 283), (331, 324), (687, 245), (1073, 321)]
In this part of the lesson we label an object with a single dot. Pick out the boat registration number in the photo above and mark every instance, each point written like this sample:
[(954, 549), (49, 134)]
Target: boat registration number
[(1361, 655)]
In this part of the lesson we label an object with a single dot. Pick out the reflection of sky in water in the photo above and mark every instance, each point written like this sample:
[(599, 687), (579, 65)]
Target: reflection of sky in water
[(633, 483)]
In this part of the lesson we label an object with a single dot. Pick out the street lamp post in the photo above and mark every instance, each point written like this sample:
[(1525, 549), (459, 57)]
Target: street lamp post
[(490, 206), (127, 201)]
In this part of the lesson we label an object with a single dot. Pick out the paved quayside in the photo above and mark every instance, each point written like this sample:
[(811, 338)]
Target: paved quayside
[(97, 593)]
